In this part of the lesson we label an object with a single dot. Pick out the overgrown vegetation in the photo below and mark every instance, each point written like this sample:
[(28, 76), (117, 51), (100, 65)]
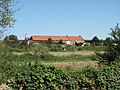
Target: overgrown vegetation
[(51, 78), (26, 72), (112, 52)]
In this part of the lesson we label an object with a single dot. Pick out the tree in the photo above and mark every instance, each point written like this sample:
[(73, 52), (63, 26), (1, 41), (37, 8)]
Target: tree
[(10, 37), (61, 41), (95, 40), (7, 18), (49, 40), (107, 41), (113, 47)]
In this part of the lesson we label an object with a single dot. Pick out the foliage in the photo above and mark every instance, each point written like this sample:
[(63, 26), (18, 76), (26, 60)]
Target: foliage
[(93, 48), (49, 40), (109, 77), (107, 41), (95, 41), (112, 52), (4, 49), (23, 72), (61, 41), (10, 37), (54, 47), (41, 77), (8, 65), (51, 78), (70, 58), (57, 47), (40, 50), (85, 79), (71, 47), (6, 15)]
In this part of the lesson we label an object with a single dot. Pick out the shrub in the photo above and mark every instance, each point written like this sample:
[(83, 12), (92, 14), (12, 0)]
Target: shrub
[(50, 78), (71, 47), (40, 50), (41, 77), (54, 47), (109, 77)]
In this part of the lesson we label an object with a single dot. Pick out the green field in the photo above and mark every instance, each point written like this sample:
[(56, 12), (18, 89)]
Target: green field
[(38, 67)]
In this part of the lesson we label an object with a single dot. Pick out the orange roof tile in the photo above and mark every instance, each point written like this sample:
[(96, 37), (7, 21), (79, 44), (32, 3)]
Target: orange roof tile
[(65, 38), (59, 38), (75, 38), (40, 37)]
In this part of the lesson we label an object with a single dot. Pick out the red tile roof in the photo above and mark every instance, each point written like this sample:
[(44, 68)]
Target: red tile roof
[(54, 38), (40, 37), (59, 38), (75, 38)]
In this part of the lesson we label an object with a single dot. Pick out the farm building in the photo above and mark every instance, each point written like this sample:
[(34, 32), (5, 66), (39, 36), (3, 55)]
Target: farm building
[(71, 40)]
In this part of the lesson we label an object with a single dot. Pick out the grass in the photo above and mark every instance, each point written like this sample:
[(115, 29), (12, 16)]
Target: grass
[(73, 65), (83, 53)]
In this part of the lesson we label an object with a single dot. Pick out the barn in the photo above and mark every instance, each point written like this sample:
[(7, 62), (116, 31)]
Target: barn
[(71, 40)]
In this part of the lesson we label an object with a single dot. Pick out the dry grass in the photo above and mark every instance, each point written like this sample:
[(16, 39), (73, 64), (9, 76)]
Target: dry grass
[(73, 65), (84, 53)]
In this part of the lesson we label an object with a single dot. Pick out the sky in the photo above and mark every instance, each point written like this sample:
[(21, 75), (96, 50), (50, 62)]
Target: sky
[(87, 18)]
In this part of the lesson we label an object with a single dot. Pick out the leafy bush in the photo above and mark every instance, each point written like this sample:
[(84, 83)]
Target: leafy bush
[(71, 47), (109, 77), (4, 49), (54, 47), (10, 65), (36, 76), (41, 77), (40, 50), (85, 79)]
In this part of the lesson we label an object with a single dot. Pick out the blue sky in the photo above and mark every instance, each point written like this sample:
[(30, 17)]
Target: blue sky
[(87, 18)]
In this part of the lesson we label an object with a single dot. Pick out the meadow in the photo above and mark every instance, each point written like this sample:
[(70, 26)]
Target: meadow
[(48, 67)]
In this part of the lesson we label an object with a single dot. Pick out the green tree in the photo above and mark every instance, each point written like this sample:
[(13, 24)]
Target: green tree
[(10, 37), (7, 18), (49, 40), (107, 41), (113, 47), (61, 41), (6, 38), (95, 40)]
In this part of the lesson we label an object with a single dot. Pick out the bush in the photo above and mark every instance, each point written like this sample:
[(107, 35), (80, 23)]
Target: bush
[(50, 78), (41, 77), (85, 79), (54, 47), (40, 50), (109, 77), (71, 48)]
